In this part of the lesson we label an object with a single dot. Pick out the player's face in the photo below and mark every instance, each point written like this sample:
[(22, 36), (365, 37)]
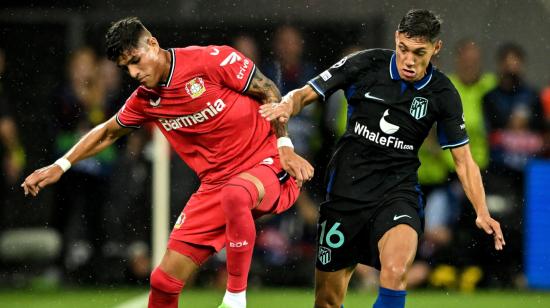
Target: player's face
[(144, 63), (413, 55)]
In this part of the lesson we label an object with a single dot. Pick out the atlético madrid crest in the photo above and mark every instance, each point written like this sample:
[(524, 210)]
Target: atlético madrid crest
[(195, 87), (419, 107), (324, 255)]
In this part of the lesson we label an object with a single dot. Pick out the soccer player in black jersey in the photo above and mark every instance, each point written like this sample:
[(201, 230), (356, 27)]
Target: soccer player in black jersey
[(374, 208)]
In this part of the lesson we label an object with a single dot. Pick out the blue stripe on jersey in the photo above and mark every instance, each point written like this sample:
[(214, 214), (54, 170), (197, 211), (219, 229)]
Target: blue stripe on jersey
[(420, 200), (454, 145), (351, 109), (404, 86), (350, 91), (330, 181)]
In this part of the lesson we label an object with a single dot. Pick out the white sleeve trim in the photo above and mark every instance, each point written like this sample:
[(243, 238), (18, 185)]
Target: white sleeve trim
[(454, 145), (316, 88), (124, 125), (250, 77)]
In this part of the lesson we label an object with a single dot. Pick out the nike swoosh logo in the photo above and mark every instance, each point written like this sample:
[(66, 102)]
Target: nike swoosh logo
[(395, 217), (367, 95)]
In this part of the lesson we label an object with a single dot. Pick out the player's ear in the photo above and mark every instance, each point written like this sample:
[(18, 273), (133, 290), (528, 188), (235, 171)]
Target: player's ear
[(152, 42), (438, 45)]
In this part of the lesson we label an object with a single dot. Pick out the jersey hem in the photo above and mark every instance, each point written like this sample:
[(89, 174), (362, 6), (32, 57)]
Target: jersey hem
[(316, 89), (250, 77), (455, 145), (124, 125)]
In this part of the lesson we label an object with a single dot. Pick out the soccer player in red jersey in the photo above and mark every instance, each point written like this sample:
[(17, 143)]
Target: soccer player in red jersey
[(205, 100)]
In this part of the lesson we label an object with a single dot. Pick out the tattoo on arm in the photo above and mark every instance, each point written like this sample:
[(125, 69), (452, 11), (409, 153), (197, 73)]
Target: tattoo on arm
[(265, 90)]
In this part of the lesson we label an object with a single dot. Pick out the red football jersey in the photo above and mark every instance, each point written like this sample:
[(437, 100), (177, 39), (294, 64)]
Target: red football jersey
[(202, 111)]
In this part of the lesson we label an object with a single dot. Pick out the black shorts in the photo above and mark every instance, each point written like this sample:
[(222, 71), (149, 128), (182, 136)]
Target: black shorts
[(345, 238)]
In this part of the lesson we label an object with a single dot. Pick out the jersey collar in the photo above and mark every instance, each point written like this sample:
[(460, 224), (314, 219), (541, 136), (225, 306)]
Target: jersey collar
[(394, 74), (172, 65)]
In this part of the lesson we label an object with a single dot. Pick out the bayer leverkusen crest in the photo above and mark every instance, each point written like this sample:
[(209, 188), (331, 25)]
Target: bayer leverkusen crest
[(195, 87), (419, 107)]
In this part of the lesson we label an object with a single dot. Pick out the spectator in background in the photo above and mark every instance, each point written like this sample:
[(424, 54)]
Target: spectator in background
[(111, 85), (545, 101), (297, 227), (248, 46), (127, 216), (79, 105), (12, 154), (513, 117)]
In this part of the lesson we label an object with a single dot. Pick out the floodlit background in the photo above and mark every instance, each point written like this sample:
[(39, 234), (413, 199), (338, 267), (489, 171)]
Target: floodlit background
[(88, 239)]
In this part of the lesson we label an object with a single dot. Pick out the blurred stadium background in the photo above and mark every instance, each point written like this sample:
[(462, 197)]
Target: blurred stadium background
[(88, 240)]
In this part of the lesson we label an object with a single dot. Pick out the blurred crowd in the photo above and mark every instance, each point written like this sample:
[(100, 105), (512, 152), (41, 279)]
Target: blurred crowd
[(99, 221)]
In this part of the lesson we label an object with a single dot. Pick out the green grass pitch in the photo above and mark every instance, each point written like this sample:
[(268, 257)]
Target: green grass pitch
[(267, 298)]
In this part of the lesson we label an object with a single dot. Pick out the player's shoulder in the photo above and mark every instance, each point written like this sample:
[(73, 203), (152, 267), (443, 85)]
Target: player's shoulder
[(373, 55), (441, 82), (142, 95), (371, 58), (197, 50)]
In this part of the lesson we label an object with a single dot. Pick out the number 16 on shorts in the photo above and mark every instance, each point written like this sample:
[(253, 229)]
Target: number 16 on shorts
[(334, 238)]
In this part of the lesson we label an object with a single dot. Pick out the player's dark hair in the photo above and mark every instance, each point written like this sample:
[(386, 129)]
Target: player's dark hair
[(510, 48), (420, 23), (123, 35)]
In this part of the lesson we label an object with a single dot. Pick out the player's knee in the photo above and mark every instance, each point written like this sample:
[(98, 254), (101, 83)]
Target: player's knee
[(327, 300), (394, 270), (239, 194), (162, 281), (328, 297)]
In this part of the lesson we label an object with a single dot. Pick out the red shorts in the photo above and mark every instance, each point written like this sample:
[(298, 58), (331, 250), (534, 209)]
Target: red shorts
[(201, 225)]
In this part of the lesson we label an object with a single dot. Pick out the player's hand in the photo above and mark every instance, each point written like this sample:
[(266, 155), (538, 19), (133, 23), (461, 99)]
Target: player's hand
[(491, 226), (41, 178), (280, 111), (295, 165)]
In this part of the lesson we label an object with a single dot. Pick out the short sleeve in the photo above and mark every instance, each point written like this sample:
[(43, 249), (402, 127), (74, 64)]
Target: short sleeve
[(339, 75), (451, 128), (229, 67), (131, 113)]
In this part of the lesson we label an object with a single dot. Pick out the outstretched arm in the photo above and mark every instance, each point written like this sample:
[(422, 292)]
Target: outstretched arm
[(15, 154), (291, 104), (99, 138), (468, 173), (267, 92)]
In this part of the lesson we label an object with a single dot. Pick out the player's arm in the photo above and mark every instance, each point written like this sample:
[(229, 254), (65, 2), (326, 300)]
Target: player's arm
[(266, 91), (15, 154), (92, 143), (291, 104), (468, 173)]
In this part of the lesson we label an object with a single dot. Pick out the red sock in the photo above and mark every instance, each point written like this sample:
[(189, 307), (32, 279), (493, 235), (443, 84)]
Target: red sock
[(239, 196), (165, 290)]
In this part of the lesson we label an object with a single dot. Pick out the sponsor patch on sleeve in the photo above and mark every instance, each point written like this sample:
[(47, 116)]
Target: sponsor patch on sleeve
[(326, 75)]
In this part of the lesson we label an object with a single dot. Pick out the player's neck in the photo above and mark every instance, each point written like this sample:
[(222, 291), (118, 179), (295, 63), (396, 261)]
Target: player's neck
[(166, 64)]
